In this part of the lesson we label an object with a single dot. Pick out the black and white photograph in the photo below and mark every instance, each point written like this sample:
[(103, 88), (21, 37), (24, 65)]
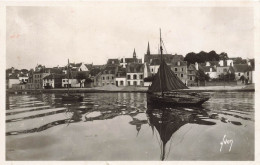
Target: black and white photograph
[(130, 81)]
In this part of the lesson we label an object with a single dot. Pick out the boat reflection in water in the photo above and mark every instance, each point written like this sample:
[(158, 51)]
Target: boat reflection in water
[(167, 122)]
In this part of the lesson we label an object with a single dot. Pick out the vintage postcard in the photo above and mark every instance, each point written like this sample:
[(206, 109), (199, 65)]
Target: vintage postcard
[(130, 81)]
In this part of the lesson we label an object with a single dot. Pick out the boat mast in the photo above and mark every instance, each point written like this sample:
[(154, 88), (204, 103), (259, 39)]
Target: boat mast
[(68, 75), (161, 51)]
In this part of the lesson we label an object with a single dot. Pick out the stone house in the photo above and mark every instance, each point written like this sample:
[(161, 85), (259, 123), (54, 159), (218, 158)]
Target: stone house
[(135, 74)]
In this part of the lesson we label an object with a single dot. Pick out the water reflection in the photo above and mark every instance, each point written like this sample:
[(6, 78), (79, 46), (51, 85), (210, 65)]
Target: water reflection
[(167, 121), (103, 107)]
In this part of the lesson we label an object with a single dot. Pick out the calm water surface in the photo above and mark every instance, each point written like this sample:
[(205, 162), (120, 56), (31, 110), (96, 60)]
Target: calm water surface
[(121, 126)]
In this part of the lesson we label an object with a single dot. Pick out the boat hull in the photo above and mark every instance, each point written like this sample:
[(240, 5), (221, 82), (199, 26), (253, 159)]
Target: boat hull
[(71, 98), (191, 101)]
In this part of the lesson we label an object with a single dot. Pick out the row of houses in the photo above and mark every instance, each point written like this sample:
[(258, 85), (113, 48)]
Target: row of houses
[(123, 72)]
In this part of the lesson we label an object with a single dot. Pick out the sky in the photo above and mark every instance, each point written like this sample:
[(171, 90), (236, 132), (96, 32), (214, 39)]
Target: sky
[(99, 30)]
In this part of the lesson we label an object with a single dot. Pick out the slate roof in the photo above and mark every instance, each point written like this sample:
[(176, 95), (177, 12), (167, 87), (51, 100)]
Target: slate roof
[(182, 63), (242, 68), (94, 71), (13, 76), (121, 72), (89, 66), (155, 62), (55, 76), (75, 64), (168, 58), (131, 60), (109, 69), (110, 61), (135, 68)]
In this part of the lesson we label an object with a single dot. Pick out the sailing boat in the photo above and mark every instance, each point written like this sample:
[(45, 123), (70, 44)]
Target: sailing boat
[(68, 96), (165, 88)]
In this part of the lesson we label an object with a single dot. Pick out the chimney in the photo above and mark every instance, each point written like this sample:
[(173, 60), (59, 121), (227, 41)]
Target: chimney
[(207, 63), (196, 66)]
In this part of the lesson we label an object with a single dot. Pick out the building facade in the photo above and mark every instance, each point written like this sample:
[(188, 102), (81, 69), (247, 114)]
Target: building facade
[(191, 75), (121, 77), (135, 74), (180, 70)]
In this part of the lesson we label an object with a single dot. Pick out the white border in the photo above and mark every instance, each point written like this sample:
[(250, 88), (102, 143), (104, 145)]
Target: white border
[(211, 3)]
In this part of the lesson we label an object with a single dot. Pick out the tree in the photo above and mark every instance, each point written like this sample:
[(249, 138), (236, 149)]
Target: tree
[(190, 58), (223, 56), (239, 60), (202, 57), (201, 76), (80, 77)]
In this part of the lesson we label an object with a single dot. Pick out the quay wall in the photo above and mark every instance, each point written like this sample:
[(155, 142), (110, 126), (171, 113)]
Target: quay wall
[(137, 90)]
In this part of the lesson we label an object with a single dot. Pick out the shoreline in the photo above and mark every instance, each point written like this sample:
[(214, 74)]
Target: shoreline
[(249, 88)]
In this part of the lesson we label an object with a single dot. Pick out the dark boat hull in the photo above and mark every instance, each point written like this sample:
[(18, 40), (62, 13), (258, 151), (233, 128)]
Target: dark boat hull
[(72, 98), (157, 100)]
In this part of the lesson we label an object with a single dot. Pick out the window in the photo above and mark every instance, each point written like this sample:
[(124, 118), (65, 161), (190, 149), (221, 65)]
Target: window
[(135, 77), (238, 74), (107, 77), (103, 78), (141, 76), (121, 82), (135, 83), (128, 76), (176, 74), (103, 84), (175, 69), (129, 83), (152, 69), (181, 75), (247, 73), (112, 78), (182, 69), (190, 77)]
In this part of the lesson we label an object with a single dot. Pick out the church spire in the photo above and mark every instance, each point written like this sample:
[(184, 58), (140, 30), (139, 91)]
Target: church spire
[(148, 49), (134, 54)]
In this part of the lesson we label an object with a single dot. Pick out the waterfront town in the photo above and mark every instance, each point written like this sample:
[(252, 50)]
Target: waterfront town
[(130, 81), (202, 69)]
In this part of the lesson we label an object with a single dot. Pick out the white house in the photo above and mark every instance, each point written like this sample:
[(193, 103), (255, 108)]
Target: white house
[(135, 74), (11, 80), (154, 66), (23, 79), (73, 83), (226, 62), (211, 71), (78, 67), (243, 70), (53, 81), (121, 77)]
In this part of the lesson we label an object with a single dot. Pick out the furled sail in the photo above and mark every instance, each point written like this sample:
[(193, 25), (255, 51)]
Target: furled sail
[(166, 80)]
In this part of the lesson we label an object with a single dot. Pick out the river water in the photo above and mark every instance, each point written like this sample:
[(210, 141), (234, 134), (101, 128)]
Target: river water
[(121, 126)]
